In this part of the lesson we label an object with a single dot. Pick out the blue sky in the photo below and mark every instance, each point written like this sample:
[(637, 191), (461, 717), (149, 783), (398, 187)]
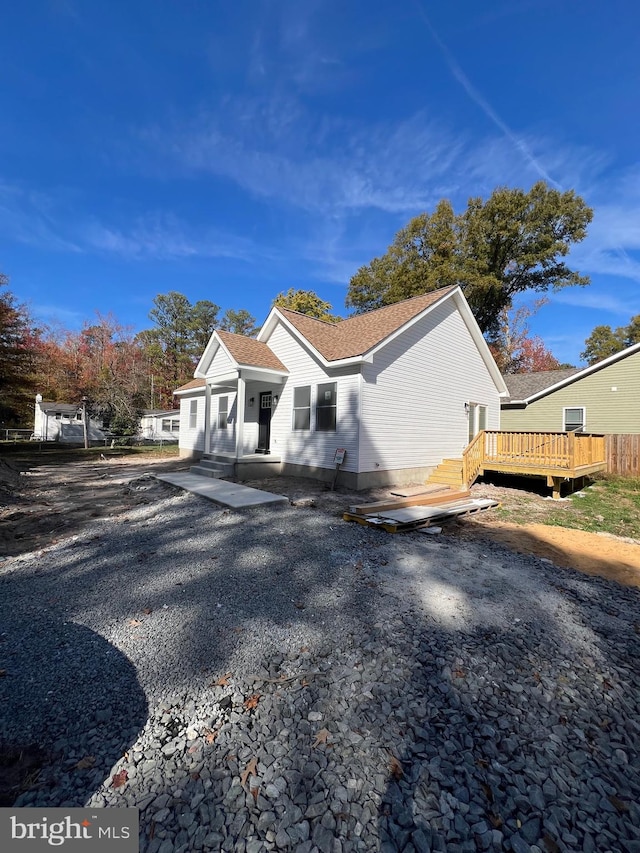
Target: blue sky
[(231, 151)]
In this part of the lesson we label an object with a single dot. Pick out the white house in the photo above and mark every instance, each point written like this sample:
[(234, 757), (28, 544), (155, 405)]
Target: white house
[(160, 424), (63, 422), (398, 389)]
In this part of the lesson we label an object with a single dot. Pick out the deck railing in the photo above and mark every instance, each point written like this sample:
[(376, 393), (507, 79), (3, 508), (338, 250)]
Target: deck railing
[(472, 459), (559, 450)]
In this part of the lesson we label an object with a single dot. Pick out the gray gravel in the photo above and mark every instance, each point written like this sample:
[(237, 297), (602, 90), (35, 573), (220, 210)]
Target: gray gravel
[(277, 679)]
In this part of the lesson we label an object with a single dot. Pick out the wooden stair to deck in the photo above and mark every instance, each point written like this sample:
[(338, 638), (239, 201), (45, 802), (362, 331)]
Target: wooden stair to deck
[(448, 473)]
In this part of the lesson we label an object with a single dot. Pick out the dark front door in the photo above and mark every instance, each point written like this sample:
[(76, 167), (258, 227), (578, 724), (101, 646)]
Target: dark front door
[(264, 422)]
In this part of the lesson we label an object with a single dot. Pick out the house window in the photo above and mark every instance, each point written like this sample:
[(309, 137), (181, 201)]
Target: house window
[(78, 416), (223, 412), (302, 408), (573, 419), (326, 407), (175, 425), (193, 414), (58, 416), (166, 425)]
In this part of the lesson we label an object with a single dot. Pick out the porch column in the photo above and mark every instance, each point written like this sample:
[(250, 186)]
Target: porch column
[(207, 417), (240, 415)]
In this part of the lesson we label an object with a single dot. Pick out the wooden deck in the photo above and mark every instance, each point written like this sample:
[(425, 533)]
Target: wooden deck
[(557, 456)]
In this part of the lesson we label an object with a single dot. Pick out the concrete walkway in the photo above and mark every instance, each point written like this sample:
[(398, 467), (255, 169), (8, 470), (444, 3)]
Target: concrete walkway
[(222, 492)]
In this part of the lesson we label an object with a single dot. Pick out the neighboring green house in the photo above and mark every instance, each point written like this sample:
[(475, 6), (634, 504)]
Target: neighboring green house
[(602, 398)]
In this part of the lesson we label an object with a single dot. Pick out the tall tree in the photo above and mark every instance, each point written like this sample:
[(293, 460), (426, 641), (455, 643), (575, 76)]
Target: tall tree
[(306, 302), (175, 344), (513, 242), (203, 321), (18, 357), (240, 322), (605, 341)]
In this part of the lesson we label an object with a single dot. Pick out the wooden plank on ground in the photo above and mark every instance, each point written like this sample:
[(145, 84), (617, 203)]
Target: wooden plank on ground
[(419, 500), (413, 519), (415, 491)]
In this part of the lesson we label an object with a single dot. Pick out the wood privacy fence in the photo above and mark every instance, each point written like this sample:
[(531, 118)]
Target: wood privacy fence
[(623, 454)]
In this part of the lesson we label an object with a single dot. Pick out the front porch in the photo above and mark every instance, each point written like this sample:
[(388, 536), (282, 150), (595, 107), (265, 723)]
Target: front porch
[(557, 456), (237, 415)]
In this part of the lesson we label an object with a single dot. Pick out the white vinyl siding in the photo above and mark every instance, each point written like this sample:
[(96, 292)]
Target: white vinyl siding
[(414, 394), (311, 447), (192, 436), (221, 363)]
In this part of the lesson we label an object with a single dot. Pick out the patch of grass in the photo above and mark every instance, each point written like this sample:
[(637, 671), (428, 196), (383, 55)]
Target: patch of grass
[(610, 504)]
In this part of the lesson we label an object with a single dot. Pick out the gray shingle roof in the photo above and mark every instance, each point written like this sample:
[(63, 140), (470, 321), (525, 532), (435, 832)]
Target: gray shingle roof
[(524, 385)]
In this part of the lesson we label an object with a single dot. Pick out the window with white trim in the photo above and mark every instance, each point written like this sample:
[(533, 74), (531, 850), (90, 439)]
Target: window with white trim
[(223, 412), (573, 419), (193, 414), (326, 407), (175, 425), (302, 408)]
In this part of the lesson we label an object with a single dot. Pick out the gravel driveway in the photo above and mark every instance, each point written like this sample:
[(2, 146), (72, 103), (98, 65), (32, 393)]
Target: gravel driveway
[(277, 679)]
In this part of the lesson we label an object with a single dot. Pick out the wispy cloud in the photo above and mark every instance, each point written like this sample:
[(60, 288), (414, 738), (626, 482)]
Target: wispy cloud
[(321, 166), (54, 315), (29, 217), (44, 221), (581, 298), (163, 236), (518, 142)]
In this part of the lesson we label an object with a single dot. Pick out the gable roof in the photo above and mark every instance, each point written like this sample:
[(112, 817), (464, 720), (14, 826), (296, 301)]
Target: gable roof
[(349, 341), (560, 382), (357, 335), (249, 352), (523, 385)]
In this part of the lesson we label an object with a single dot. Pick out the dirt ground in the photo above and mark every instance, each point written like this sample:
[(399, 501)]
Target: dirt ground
[(48, 498)]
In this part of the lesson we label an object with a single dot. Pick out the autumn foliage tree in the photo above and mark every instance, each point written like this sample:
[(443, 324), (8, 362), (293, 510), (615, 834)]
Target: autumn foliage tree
[(102, 362), (515, 349)]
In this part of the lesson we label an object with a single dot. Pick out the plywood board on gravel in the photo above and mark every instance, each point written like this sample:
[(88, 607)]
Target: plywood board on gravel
[(413, 491), (592, 553)]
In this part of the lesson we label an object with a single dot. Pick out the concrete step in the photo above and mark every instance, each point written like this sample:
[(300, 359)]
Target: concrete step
[(208, 468)]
